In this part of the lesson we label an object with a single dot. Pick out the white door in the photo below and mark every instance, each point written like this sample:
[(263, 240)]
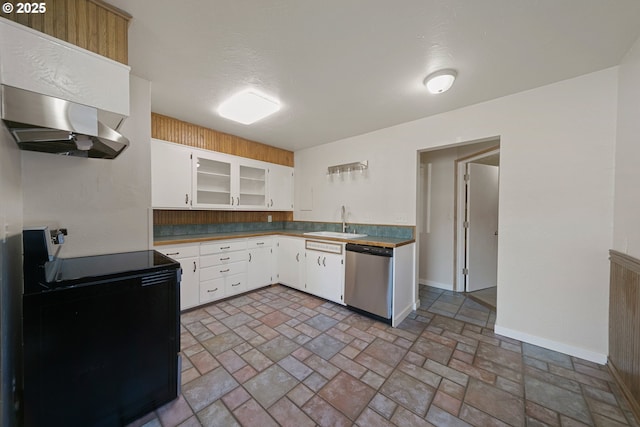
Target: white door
[(482, 230), (190, 283), (259, 268), (291, 262), (280, 188), (170, 175)]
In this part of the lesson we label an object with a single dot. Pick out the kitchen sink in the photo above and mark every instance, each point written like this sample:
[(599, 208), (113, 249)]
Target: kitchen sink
[(334, 234)]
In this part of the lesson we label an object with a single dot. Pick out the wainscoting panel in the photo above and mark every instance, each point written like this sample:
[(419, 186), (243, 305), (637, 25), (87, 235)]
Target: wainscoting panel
[(624, 325), (169, 217), (91, 24), (174, 130)]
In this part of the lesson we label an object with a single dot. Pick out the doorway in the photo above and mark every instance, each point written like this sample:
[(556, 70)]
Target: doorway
[(441, 259), (477, 191)]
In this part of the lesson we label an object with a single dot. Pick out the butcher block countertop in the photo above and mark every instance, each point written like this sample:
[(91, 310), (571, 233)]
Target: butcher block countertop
[(385, 242)]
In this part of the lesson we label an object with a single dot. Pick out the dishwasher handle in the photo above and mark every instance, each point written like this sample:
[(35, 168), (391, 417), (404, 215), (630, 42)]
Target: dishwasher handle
[(369, 250)]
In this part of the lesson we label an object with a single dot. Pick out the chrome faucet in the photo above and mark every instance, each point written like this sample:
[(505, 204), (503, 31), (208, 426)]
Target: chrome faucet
[(344, 221)]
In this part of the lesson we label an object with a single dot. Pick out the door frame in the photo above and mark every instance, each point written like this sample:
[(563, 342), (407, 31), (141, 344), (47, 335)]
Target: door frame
[(459, 210)]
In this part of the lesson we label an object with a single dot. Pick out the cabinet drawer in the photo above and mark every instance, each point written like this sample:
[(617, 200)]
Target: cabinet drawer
[(222, 259), (223, 246), (223, 270), (235, 284), (212, 289), (179, 251), (259, 243)]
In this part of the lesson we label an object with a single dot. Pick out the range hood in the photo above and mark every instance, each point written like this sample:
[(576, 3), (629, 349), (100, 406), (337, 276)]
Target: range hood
[(47, 124)]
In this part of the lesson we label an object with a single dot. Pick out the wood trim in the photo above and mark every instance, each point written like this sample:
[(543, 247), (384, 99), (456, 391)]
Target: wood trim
[(178, 217), (114, 10), (181, 132), (633, 404), (624, 323), (625, 261), (90, 24)]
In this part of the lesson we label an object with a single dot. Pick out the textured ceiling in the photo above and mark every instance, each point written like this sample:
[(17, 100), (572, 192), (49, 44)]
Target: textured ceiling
[(347, 67)]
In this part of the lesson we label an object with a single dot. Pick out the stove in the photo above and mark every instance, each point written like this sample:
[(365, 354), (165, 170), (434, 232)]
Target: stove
[(101, 336)]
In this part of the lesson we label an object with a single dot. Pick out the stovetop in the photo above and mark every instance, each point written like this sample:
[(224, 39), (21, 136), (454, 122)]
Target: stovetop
[(65, 272)]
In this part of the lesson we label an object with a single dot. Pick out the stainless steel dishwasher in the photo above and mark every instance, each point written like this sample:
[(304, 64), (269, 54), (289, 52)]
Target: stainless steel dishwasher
[(369, 279)]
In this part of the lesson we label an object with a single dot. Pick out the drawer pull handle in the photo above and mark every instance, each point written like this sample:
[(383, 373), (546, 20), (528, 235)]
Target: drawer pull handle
[(249, 256), (173, 253), (194, 266), (224, 271), (298, 257), (212, 290), (260, 243), (319, 260), (225, 247), (225, 259), (324, 261), (236, 284)]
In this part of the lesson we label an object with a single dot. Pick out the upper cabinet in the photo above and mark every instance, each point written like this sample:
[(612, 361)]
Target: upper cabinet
[(280, 188), (212, 179), (184, 177), (170, 175), (223, 181)]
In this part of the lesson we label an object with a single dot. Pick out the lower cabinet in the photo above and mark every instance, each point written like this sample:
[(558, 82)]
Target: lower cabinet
[(325, 270), (188, 256), (260, 262), (223, 268), (291, 262)]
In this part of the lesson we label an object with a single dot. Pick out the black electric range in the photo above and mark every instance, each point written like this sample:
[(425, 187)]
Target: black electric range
[(101, 338), (63, 273)]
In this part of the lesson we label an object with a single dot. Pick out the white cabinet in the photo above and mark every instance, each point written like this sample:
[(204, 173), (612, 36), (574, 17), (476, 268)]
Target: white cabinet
[(212, 181), (325, 270), (291, 262), (228, 182), (184, 177), (280, 188), (170, 175), (252, 184), (223, 269), (260, 262), (188, 257)]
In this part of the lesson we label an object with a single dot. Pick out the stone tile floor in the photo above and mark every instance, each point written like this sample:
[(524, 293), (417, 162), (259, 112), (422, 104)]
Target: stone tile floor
[(277, 356)]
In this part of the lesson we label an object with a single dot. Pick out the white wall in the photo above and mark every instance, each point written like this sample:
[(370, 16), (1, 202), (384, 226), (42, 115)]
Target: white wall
[(626, 234), (103, 203), (556, 197), (10, 273)]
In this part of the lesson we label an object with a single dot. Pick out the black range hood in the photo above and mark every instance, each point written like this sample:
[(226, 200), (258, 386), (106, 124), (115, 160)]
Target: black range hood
[(43, 123)]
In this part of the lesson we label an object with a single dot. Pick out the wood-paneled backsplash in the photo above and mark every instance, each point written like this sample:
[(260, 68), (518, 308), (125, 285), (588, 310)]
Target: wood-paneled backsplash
[(174, 130), (170, 217), (624, 324), (91, 24)]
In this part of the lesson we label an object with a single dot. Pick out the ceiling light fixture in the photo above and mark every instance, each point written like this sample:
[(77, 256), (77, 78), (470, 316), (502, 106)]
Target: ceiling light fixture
[(440, 81), (248, 106)]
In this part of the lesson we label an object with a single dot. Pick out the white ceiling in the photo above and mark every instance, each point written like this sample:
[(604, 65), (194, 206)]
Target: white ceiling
[(347, 67)]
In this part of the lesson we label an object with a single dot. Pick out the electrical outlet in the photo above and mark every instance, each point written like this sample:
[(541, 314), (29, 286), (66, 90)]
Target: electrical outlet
[(269, 218)]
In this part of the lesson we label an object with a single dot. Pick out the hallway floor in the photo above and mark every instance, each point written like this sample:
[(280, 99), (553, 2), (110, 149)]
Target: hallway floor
[(488, 296), (277, 356)]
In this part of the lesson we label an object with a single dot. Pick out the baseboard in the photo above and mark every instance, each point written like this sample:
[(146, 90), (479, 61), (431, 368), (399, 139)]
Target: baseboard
[(416, 305), (633, 404), (433, 284), (401, 316), (552, 345)]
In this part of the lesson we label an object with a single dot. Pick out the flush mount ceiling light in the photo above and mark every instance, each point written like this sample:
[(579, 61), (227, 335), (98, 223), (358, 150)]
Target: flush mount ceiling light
[(440, 81), (248, 106)]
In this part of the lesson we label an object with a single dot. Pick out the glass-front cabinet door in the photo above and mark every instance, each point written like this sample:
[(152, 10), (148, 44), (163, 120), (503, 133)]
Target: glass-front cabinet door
[(213, 182), (252, 186)]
